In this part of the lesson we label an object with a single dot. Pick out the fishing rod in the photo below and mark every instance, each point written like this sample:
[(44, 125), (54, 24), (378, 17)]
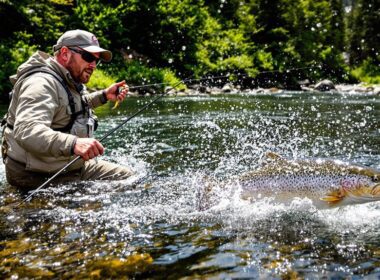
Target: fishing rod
[(111, 131), (105, 136)]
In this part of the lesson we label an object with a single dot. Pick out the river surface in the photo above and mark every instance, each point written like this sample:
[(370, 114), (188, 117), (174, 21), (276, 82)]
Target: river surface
[(152, 226)]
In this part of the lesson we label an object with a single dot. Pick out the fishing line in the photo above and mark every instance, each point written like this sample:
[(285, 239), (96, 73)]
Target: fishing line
[(101, 140), (227, 76), (110, 132)]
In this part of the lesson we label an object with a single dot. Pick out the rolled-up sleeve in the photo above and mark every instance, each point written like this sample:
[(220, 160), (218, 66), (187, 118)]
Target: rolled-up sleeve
[(95, 99)]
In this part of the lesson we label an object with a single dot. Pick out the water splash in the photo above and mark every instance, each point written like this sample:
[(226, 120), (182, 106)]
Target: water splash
[(177, 149)]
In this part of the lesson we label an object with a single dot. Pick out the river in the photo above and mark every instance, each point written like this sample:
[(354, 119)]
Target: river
[(152, 225)]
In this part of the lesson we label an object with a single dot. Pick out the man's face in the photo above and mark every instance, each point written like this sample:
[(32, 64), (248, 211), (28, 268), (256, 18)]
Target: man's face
[(80, 69)]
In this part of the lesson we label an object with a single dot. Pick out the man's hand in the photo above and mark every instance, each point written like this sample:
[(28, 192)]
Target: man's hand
[(88, 148), (113, 94)]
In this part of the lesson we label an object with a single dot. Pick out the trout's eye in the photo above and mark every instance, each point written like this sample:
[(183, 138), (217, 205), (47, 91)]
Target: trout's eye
[(375, 178)]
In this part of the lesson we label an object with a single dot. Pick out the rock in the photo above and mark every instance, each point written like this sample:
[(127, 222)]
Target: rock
[(181, 93), (168, 89), (260, 90), (215, 91), (202, 89), (191, 91), (324, 85), (305, 82), (305, 88), (247, 91), (227, 88), (208, 90), (274, 90)]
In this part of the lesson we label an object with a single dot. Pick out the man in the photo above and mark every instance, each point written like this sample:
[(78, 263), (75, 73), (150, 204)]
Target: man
[(50, 119)]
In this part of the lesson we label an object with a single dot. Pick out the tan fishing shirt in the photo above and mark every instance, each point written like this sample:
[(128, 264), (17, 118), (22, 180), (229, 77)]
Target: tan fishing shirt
[(40, 104)]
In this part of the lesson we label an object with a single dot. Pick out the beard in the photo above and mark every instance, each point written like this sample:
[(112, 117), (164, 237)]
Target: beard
[(86, 75), (78, 74)]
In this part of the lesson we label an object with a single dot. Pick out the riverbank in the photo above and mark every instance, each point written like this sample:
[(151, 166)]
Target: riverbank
[(323, 86), (199, 90)]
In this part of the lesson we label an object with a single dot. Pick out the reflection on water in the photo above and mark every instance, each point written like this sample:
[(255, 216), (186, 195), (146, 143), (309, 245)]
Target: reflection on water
[(151, 225)]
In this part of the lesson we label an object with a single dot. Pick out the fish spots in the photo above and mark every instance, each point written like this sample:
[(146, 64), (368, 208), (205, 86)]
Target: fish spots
[(350, 183), (329, 181)]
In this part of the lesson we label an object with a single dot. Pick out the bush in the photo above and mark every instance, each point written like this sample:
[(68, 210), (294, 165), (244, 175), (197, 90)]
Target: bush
[(12, 55), (368, 72), (148, 79), (100, 80)]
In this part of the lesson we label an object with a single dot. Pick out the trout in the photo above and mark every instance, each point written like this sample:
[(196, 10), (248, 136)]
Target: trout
[(327, 183)]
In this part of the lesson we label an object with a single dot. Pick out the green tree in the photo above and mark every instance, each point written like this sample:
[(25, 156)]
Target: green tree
[(26, 26), (226, 44), (152, 38), (302, 33), (364, 39), (338, 29)]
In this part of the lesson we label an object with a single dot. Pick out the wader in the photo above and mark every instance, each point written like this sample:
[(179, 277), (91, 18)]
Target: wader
[(92, 170)]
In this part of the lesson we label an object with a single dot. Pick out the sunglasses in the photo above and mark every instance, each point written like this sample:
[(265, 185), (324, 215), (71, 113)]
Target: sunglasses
[(86, 56)]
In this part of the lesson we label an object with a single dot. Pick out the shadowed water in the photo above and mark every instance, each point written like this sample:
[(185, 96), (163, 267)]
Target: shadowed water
[(151, 225)]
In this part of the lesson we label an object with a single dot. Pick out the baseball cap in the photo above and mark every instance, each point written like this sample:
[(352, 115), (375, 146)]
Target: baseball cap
[(85, 40)]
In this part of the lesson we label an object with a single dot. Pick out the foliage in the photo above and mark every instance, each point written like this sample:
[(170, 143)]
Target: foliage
[(153, 40), (368, 72), (223, 51), (138, 74), (364, 32), (100, 80), (103, 19), (171, 79), (27, 26), (12, 57)]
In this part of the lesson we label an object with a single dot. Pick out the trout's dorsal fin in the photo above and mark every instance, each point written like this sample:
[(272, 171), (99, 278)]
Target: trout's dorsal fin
[(365, 171)]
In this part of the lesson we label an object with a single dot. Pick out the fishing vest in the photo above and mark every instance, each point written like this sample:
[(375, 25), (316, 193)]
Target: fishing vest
[(82, 123)]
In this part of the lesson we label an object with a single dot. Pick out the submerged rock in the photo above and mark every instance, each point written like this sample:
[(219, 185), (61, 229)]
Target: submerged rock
[(109, 267)]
